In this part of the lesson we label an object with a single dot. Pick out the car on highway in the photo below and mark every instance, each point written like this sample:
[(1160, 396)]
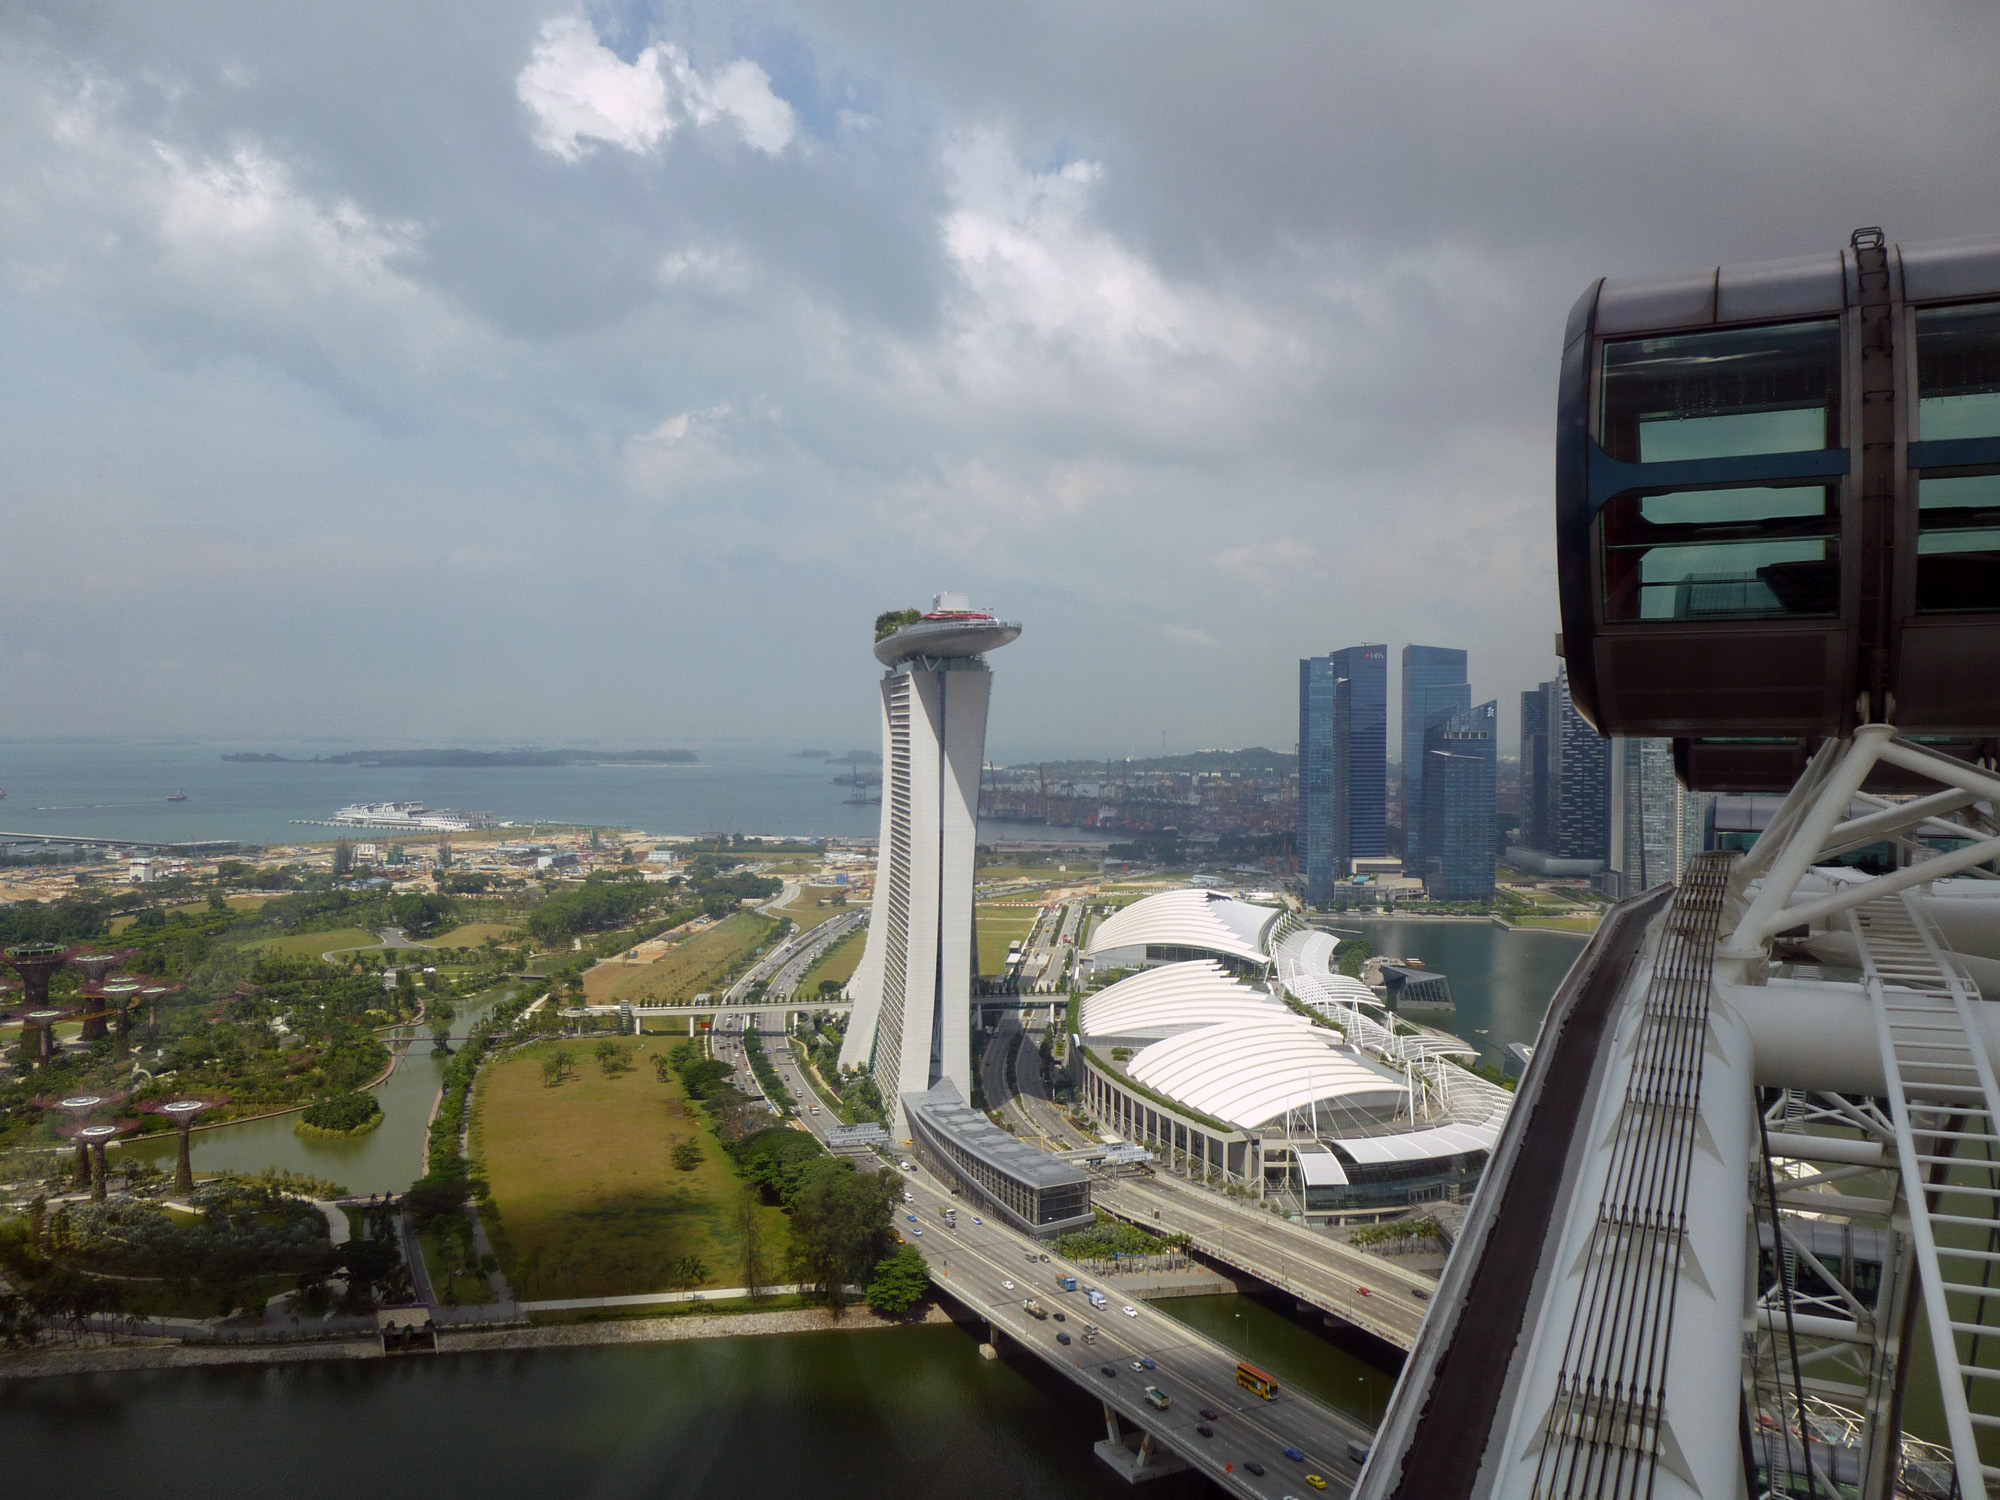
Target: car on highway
[(911, 1217), (1147, 1361), (1008, 1284), (1062, 1338), (918, 1232), (1295, 1456), (1254, 1467), (1420, 1294), (1208, 1414), (1205, 1430), (1139, 1364), (1315, 1481), (1107, 1372), (1364, 1291), (977, 1220), (1129, 1310)]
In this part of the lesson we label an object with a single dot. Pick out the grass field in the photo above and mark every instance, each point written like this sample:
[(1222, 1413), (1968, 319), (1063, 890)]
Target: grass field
[(583, 1177), (702, 963), (814, 905), (472, 934), (999, 926), (315, 943), (838, 963), (1559, 924)]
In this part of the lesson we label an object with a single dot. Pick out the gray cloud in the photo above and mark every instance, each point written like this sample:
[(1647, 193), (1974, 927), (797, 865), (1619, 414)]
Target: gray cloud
[(354, 383)]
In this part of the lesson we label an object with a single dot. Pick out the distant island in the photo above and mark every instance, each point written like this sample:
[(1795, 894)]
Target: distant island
[(475, 758)]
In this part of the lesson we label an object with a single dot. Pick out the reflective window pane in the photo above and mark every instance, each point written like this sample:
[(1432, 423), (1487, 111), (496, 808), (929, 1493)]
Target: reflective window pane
[(1958, 372), (1726, 394), (1721, 554), (1958, 543)]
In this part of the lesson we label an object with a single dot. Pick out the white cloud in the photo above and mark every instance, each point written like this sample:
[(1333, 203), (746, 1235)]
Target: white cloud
[(1022, 244), (685, 450), (581, 91), (247, 211)]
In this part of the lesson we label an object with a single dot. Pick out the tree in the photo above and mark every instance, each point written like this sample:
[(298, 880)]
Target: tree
[(750, 1243), (900, 1282), (687, 1154), (840, 1226)]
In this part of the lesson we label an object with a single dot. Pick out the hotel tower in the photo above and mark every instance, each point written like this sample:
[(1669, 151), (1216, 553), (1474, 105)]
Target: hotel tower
[(912, 992)]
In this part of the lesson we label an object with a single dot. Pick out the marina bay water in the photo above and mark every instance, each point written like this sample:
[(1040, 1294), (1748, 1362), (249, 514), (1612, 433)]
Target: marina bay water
[(1502, 980), (907, 1412)]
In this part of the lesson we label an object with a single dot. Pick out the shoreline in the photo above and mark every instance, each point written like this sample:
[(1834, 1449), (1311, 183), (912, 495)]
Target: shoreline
[(107, 1359)]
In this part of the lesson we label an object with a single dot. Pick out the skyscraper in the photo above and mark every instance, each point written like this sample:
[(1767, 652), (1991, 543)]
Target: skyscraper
[(1315, 835), (1535, 831), (1645, 814), (1360, 754), (1457, 812), (1579, 761), (1434, 688), (912, 991)]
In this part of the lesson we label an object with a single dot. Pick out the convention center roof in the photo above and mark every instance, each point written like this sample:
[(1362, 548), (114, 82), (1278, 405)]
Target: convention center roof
[(1158, 1003), (1247, 1073), (1189, 919)]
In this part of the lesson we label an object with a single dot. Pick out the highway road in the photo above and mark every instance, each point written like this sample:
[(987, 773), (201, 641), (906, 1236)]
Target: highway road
[(1368, 1291), (992, 1269)]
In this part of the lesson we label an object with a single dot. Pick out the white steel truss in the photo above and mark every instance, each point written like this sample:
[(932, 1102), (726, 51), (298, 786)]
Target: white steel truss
[(1820, 1342)]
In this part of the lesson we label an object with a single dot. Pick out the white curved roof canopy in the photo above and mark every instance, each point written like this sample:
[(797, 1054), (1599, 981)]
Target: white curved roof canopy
[(1249, 1072), (1189, 919), (1305, 968), (1173, 998)]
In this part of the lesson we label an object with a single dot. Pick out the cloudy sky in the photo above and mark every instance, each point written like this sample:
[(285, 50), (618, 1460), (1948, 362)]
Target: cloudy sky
[(526, 372)]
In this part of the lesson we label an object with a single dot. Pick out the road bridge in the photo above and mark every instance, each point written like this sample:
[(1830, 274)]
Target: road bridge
[(990, 1270)]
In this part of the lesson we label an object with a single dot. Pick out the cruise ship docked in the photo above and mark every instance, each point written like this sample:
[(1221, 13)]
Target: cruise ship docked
[(410, 815)]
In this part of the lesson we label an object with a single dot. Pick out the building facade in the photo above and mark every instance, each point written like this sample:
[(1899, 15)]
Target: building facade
[(1038, 1194), (1579, 762), (1459, 764), (1434, 688), (912, 991), (1315, 831), (1535, 832), (1360, 754), (1645, 815)]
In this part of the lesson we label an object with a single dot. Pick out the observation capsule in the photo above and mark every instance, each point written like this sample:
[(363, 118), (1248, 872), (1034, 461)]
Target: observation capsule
[(1778, 504)]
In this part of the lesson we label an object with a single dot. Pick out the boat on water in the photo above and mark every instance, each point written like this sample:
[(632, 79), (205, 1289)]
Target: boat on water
[(412, 816), (178, 797)]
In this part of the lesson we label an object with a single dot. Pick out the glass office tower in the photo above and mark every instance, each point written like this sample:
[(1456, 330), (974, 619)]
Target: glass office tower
[(1459, 758), (1315, 833), (1360, 754), (1434, 689)]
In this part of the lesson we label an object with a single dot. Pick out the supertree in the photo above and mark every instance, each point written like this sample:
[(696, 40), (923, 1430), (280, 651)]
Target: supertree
[(80, 1107), (93, 1137), (152, 995), (119, 1000), (182, 1112), (42, 1021), (94, 967)]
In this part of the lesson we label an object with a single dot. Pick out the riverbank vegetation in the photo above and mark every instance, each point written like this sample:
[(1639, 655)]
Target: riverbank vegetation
[(341, 1116)]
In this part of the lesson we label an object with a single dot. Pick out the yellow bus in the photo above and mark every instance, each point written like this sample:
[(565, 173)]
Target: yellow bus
[(1253, 1379)]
